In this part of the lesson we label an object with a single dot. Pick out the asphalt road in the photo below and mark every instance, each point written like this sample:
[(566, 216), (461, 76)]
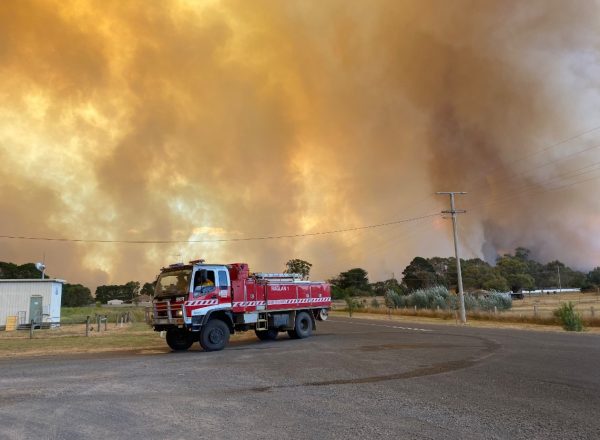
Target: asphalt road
[(352, 379)]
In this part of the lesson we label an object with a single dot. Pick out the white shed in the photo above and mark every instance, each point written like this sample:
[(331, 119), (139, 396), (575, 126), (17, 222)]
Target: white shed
[(37, 300)]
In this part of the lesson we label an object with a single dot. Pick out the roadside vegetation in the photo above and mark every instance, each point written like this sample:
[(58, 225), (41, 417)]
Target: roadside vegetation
[(569, 318)]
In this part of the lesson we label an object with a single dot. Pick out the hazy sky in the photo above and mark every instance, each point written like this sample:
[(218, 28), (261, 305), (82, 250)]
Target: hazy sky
[(208, 120)]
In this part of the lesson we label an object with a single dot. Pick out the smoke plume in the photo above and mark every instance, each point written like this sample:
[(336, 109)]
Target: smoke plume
[(183, 120)]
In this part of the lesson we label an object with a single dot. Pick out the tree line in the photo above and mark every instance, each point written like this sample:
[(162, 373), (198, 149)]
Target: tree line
[(513, 272)]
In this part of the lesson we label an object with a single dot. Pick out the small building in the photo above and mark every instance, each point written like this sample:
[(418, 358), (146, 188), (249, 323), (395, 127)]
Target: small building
[(31, 300), (114, 302)]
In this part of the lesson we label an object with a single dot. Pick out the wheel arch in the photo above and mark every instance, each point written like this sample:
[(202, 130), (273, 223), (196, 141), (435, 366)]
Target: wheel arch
[(224, 315)]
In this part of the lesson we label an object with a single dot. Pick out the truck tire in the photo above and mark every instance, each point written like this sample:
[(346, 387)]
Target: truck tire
[(214, 336), (322, 314), (267, 335), (302, 326), (179, 339)]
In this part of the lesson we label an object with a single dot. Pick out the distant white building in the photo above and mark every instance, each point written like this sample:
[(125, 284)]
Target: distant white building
[(114, 302), (31, 300), (551, 290)]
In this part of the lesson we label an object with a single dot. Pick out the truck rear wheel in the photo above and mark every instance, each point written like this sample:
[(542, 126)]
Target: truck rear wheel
[(179, 339), (322, 314), (214, 336), (302, 326), (267, 335)]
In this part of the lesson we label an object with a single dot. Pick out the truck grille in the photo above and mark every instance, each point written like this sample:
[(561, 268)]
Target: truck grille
[(166, 312)]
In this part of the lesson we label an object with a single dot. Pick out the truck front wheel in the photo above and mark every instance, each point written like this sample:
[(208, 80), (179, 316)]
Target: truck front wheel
[(179, 339), (214, 335), (302, 326)]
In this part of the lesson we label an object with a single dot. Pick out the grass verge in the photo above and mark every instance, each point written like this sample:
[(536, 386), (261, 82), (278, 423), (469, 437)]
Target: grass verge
[(471, 316)]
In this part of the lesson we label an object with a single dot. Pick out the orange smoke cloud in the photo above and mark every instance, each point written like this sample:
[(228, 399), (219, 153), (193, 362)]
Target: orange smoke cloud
[(179, 120)]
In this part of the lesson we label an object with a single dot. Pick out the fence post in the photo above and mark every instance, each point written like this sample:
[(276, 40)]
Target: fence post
[(495, 310), (97, 323), (31, 330), (535, 311), (592, 310), (87, 326), (105, 322)]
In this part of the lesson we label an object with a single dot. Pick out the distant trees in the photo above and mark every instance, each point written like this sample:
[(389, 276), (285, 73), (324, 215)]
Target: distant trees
[(420, 273), (515, 271), (354, 282), (13, 271), (148, 289), (511, 272), (298, 266), (380, 288), (76, 295), (593, 277), (124, 292)]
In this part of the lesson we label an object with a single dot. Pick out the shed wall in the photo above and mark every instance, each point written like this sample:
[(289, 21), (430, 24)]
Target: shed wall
[(15, 296)]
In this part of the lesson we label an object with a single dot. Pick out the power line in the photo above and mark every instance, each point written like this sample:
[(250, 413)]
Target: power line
[(220, 240), (490, 171)]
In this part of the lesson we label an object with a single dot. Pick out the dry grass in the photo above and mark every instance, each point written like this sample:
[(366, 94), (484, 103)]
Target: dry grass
[(71, 339)]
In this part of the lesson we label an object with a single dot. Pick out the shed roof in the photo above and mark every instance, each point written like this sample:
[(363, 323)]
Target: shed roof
[(34, 280)]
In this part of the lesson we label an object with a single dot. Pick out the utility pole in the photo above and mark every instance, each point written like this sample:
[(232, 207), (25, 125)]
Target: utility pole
[(559, 285), (454, 211)]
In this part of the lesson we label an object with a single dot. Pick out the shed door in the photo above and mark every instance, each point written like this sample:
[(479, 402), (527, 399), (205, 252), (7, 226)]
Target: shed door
[(35, 309)]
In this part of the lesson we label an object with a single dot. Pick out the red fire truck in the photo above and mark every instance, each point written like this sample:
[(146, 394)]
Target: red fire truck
[(209, 302)]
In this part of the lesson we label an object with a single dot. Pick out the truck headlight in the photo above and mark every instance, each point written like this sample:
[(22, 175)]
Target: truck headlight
[(179, 313)]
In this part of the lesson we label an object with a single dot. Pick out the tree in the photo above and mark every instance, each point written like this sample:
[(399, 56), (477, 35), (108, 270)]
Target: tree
[(420, 273), (380, 288), (148, 289), (76, 295), (15, 272), (356, 278), (514, 271), (495, 282), (593, 276), (125, 292), (298, 266), (477, 274)]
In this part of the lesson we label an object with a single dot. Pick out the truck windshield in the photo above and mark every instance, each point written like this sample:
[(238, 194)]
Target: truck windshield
[(173, 283)]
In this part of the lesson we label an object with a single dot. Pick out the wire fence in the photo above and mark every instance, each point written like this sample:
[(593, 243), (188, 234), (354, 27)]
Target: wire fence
[(78, 324)]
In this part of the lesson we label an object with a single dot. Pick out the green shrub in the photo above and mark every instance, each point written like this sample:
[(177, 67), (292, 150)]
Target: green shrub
[(569, 318), (499, 300), (375, 303), (438, 301), (392, 299), (420, 299), (452, 302), (471, 302), (352, 304)]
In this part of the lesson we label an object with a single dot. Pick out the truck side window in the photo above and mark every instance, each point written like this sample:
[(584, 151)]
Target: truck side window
[(222, 279), (204, 282)]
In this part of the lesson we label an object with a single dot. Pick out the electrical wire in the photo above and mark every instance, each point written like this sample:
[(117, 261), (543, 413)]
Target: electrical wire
[(222, 240)]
